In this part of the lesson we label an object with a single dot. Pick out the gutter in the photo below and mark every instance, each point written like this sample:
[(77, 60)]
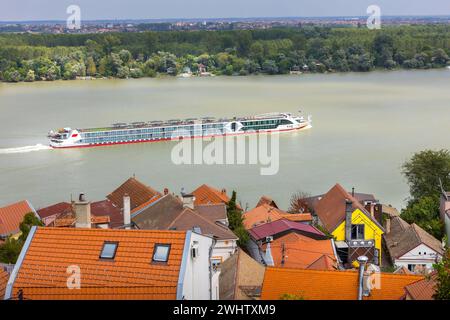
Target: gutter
[(184, 260), (15, 272)]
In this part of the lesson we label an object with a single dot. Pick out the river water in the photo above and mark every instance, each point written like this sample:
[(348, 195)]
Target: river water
[(365, 126)]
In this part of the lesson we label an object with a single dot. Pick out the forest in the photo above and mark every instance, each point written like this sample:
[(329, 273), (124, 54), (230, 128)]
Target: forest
[(314, 49)]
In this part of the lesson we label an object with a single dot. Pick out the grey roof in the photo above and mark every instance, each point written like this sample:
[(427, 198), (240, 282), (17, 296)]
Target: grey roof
[(213, 212), (168, 213), (404, 237)]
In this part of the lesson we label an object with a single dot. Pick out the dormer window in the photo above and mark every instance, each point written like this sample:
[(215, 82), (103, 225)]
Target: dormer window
[(161, 252), (109, 250)]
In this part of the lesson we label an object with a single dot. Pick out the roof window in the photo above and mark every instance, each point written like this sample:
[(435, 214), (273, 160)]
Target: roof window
[(161, 252), (109, 250)]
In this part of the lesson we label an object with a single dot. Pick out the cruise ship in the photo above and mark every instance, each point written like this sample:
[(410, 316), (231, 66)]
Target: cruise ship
[(152, 131)]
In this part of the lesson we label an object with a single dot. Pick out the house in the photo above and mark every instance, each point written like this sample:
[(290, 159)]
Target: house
[(444, 209), (11, 216), (357, 230), (295, 250), (421, 290), (173, 213), (240, 277), (291, 244), (267, 200), (138, 192), (333, 285), (266, 213), (208, 195), (410, 246), (103, 214), (106, 264)]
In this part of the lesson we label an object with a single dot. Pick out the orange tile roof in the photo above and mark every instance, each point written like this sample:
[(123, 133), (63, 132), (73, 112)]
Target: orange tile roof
[(69, 221), (4, 277), (138, 192), (131, 275), (422, 289), (301, 251), (11, 216), (266, 213), (325, 262), (208, 195), (330, 285)]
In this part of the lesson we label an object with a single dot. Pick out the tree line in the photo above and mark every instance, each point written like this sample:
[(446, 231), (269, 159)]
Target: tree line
[(32, 57)]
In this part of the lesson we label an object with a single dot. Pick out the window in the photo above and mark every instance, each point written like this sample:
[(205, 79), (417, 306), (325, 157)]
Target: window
[(161, 252), (109, 250), (357, 232)]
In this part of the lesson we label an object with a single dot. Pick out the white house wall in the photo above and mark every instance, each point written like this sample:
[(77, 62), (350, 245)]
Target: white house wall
[(421, 255), (224, 249), (197, 282)]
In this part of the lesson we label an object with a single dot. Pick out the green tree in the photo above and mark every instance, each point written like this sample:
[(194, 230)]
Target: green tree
[(425, 213), (442, 289), (91, 69), (424, 170), (10, 250), (235, 221)]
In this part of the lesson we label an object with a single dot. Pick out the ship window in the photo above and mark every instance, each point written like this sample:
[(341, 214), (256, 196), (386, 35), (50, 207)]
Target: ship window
[(109, 250), (161, 252)]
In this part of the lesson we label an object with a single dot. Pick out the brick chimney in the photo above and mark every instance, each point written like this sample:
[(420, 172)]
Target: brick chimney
[(348, 219), (82, 212), (188, 200), (166, 191), (126, 211)]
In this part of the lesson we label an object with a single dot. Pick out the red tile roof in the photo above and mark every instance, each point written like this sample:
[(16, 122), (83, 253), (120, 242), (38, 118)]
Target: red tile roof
[(330, 285), (208, 195), (282, 226), (297, 251), (55, 210), (265, 213), (131, 275), (266, 200), (331, 207), (422, 289), (11, 216), (107, 208), (4, 277), (139, 193)]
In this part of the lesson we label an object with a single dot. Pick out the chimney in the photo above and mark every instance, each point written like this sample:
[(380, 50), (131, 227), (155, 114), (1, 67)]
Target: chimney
[(82, 212), (188, 200), (126, 211), (370, 208), (348, 219), (353, 191), (224, 191), (268, 256), (388, 224), (166, 191), (362, 260)]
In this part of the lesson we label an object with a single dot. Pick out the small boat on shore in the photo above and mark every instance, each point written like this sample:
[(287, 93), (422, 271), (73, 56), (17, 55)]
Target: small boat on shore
[(153, 131)]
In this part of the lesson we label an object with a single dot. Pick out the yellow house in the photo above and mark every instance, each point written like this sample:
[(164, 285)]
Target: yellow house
[(356, 230)]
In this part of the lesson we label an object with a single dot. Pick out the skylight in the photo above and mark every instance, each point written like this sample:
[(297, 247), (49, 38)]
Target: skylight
[(109, 250), (161, 252)]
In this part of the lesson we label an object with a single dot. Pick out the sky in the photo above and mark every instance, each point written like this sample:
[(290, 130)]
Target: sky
[(19, 10)]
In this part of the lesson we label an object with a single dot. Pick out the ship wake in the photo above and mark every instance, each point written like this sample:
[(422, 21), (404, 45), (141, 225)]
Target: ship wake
[(26, 149)]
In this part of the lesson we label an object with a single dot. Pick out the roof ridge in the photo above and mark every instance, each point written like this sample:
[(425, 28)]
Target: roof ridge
[(208, 221)]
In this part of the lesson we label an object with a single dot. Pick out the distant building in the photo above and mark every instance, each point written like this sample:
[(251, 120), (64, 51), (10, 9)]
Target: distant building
[(11, 216), (241, 278), (357, 230), (411, 247), (113, 265), (266, 213), (173, 213)]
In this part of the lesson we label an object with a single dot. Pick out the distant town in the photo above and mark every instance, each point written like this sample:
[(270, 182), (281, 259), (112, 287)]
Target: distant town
[(103, 26)]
